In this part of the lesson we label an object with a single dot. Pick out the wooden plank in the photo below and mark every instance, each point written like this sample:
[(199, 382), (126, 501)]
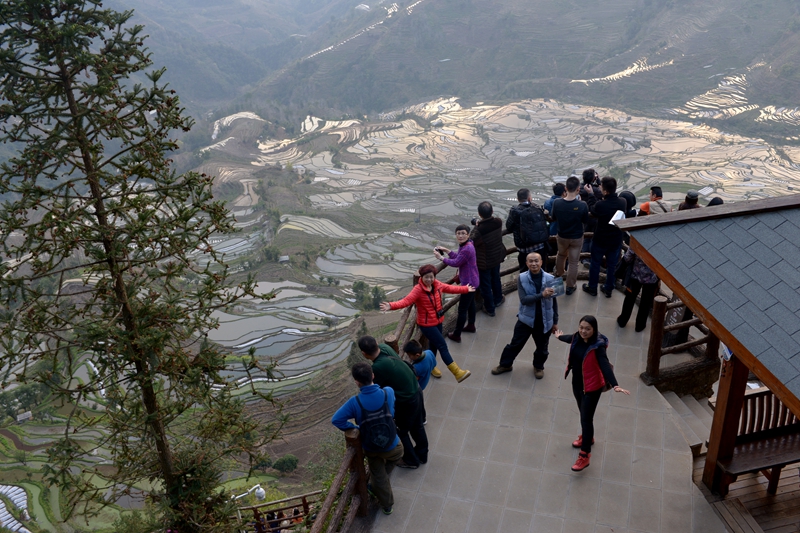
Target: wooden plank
[(736, 505), (751, 207), (729, 519)]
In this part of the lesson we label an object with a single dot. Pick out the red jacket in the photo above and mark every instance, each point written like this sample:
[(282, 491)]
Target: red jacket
[(593, 376), (428, 302)]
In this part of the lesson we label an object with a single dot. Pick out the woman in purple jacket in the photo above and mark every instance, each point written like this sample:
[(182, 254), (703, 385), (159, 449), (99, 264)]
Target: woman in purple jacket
[(464, 260)]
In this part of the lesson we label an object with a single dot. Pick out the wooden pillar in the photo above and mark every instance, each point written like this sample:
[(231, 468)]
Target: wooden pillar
[(724, 428), (712, 347), (260, 526), (656, 336), (353, 439), (391, 340)]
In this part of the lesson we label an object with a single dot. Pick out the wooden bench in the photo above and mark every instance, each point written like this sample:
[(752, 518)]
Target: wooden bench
[(768, 439)]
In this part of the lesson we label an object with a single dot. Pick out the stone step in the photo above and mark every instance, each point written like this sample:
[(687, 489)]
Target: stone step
[(695, 443), (681, 415), (675, 402), (702, 414)]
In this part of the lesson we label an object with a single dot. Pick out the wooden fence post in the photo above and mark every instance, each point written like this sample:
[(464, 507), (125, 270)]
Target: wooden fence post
[(353, 439), (656, 336), (712, 347), (391, 340)]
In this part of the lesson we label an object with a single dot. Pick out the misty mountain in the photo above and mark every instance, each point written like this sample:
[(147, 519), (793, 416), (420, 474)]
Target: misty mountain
[(285, 59), (214, 49)]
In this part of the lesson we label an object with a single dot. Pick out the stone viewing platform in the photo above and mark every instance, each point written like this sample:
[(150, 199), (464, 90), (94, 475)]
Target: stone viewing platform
[(501, 445)]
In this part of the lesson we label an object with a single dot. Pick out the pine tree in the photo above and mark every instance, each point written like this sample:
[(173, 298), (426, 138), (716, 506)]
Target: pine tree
[(106, 257)]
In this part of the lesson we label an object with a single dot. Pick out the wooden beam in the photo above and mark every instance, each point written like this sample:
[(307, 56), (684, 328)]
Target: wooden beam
[(725, 426), (751, 207), (775, 385)]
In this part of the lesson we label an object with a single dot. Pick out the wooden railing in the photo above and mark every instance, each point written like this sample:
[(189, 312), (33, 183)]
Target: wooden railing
[(655, 350), (761, 411), (407, 326), (264, 514), (350, 498)]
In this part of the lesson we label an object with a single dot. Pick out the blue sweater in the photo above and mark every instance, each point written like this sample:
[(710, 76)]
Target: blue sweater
[(371, 397), (423, 368)]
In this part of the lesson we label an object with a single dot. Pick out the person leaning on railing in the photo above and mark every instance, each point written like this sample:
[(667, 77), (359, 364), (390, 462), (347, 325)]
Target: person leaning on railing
[(381, 461), (464, 261), (490, 252), (427, 296)]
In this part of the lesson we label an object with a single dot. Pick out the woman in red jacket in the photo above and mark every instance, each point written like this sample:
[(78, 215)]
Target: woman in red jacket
[(427, 296), (591, 375)]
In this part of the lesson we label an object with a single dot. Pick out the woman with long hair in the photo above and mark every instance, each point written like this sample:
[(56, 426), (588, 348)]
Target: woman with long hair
[(427, 296), (591, 375)]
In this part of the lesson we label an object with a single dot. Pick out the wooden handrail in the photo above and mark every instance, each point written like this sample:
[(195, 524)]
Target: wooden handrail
[(353, 493)]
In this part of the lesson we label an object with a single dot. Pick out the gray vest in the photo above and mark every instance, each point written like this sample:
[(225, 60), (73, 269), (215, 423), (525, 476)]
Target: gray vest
[(527, 313)]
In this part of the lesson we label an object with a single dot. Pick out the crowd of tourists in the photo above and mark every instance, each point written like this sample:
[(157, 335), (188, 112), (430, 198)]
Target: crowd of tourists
[(389, 409)]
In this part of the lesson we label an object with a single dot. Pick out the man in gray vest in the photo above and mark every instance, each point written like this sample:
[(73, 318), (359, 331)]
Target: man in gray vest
[(537, 317)]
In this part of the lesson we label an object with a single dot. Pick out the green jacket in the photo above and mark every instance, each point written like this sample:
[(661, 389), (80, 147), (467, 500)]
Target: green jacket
[(391, 371)]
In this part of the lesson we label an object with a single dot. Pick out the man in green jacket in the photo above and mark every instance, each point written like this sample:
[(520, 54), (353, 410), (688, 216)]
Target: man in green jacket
[(391, 371)]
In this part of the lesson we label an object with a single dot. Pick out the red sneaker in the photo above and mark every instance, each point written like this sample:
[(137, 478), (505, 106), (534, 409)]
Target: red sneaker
[(582, 462), (579, 441)]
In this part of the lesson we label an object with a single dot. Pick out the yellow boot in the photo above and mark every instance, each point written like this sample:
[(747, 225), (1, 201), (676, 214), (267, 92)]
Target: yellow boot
[(459, 374), (436, 373)]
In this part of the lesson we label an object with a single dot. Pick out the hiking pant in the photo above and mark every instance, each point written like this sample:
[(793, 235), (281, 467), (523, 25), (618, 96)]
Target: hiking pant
[(381, 465), (409, 418), (569, 248)]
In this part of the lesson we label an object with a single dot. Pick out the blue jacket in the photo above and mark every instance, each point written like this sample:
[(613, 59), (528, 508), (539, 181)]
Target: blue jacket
[(528, 299), (423, 368), (371, 397), (548, 206)]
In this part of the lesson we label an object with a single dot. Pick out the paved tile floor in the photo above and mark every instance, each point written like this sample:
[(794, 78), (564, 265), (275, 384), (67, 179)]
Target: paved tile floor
[(501, 445)]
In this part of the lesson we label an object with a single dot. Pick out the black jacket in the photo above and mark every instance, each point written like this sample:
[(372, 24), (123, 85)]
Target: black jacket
[(487, 236), (591, 224), (607, 235)]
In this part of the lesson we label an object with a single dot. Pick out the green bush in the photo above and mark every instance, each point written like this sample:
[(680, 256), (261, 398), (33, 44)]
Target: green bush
[(286, 464)]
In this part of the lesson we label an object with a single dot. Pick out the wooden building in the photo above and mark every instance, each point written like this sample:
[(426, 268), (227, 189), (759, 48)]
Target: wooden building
[(737, 267)]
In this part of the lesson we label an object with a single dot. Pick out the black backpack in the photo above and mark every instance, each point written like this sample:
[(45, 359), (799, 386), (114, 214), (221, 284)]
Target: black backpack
[(533, 225), (377, 427)]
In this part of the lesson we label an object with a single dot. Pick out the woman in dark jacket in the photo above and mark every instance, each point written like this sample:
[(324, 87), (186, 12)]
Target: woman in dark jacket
[(591, 373)]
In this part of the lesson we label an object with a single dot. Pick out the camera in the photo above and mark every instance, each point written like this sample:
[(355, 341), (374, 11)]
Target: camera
[(439, 313), (474, 221), (439, 250)]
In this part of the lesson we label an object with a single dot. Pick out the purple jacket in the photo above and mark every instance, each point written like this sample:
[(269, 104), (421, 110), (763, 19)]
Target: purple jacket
[(464, 260)]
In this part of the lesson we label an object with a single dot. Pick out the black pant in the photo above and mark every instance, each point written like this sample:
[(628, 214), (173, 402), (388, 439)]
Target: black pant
[(521, 334), (466, 309), (683, 334), (648, 293), (587, 405), (409, 416)]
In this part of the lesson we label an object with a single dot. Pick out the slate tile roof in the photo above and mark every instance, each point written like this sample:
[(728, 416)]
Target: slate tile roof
[(745, 270)]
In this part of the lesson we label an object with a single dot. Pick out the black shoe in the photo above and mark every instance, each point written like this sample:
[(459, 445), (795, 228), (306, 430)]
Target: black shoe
[(490, 313), (620, 323), (501, 302), (403, 464), (608, 292), (588, 289), (570, 290)]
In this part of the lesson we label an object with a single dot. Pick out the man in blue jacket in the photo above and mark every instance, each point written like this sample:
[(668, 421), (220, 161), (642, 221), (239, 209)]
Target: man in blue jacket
[(537, 317), (381, 462)]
